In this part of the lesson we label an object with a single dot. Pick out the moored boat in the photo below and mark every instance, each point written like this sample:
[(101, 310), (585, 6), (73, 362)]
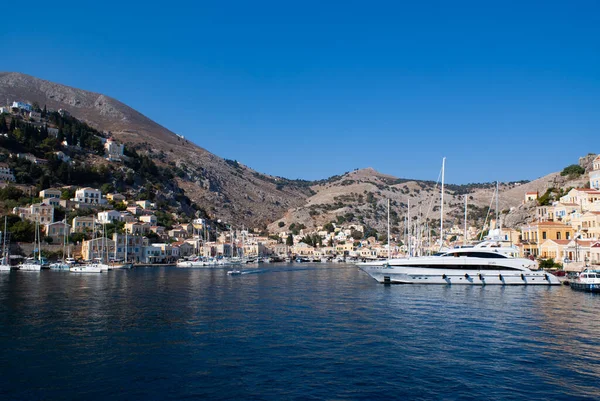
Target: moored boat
[(477, 265), (587, 281)]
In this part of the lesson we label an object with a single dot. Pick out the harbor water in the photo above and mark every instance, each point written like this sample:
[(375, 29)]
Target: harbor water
[(290, 332)]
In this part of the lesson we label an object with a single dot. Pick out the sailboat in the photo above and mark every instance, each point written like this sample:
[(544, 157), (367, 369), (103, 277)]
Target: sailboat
[(91, 266), (33, 264), (4, 264), (63, 264)]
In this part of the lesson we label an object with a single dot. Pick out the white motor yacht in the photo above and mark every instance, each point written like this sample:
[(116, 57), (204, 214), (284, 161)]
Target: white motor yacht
[(482, 264)]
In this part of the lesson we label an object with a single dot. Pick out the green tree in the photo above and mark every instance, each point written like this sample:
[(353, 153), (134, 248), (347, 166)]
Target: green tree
[(289, 240), (574, 170), (281, 224)]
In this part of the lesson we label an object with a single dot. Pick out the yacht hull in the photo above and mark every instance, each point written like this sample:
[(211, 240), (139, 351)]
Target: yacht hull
[(387, 275)]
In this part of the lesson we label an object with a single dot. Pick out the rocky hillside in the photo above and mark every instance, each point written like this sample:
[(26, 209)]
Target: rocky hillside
[(230, 191), (225, 189), (361, 197)]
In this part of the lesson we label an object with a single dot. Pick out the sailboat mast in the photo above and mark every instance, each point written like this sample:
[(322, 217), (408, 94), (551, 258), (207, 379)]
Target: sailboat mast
[(465, 234), (4, 258), (442, 206), (497, 208), (408, 232), (388, 233)]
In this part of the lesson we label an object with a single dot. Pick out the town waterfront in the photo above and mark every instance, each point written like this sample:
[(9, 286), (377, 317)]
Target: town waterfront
[(302, 331)]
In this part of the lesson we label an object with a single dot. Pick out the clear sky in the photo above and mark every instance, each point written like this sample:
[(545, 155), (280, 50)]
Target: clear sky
[(506, 90)]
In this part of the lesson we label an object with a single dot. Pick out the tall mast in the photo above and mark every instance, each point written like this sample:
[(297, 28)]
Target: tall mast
[(408, 232), (388, 233), (465, 234), (497, 209), (4, 258), (442, 206)]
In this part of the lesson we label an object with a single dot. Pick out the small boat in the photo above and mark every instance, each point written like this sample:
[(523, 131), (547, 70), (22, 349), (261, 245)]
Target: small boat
[(234, 272), (587, 281), (88, 268)]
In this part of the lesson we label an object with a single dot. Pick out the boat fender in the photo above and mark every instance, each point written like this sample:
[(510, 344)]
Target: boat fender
[(480, 277), (444, 276), (500, 277), (467, 275), (522, 277)]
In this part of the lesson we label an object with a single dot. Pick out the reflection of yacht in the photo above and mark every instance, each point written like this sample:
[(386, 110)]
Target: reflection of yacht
[(477, 265), (587, 281)]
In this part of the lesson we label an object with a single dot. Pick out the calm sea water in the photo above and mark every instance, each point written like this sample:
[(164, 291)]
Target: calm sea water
[(302, 332)]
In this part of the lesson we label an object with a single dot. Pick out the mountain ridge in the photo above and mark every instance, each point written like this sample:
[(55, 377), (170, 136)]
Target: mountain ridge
[(235, 193)]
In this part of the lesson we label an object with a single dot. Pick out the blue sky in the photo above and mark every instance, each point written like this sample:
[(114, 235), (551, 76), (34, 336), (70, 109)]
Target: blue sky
[(505, 90)]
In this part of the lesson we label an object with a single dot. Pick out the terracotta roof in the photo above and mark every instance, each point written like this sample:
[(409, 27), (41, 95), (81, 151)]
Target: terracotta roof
[(560, 241), (532, 193)]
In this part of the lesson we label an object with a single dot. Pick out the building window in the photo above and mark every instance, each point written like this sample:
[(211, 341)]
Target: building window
[(568, 235), (558, 235), (543, 234)]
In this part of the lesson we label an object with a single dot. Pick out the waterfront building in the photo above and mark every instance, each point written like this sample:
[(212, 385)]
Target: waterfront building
[(135, 245), (185, 248), (534, 234), (97, 248)]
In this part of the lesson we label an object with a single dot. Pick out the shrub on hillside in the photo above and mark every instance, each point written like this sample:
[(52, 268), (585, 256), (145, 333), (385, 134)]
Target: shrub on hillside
[(574, 170)]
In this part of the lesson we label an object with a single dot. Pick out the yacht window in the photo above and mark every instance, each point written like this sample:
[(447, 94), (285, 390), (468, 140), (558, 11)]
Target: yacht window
[(487, 255)]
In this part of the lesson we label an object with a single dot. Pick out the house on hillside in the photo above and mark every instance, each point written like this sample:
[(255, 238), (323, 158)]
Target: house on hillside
[(114, 150), (42, 212), (89, 195), (57, 231), (82, 224), (51, 196), (6, 174), (531, 196)]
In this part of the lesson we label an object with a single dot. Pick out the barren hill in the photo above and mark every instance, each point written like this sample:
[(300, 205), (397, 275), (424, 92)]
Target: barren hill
[(225, 189), (230, 191)]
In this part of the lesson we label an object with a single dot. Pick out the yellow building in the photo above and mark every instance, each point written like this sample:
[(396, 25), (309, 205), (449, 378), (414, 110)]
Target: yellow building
[(532, 236)]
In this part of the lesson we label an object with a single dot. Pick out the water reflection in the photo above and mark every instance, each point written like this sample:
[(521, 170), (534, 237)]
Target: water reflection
[(290, 332)]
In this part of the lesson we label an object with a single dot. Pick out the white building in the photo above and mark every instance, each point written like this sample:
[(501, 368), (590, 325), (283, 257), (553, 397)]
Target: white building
[(89, 195), (22, 106), (114, 150), (109, 216), (149, 218)]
